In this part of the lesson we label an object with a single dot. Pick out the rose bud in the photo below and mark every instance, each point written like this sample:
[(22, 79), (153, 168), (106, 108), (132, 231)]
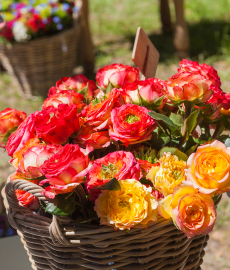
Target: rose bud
[(10, 119), (145, 93), (117, 74), (191, 86), (131, 124)]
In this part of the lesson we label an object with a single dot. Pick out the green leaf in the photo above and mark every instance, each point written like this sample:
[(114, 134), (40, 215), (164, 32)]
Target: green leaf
[(191, 122), (113, 185), (145, 181), (215, 198), (159, 140), (158, 101), (164, 118), (101, 88), (173, 151), (177, 119), (191, 150), (62, 206), (109, 87)]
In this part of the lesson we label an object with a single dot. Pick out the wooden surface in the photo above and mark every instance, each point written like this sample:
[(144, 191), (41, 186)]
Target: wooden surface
[(145, 55), (12, 254)]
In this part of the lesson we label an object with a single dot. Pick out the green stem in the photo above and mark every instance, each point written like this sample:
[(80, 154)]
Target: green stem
[(188, 109), (218, 130)]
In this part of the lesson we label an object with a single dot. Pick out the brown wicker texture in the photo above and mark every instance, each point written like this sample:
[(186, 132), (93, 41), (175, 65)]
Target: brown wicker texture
[(36, 65), (60, 244)]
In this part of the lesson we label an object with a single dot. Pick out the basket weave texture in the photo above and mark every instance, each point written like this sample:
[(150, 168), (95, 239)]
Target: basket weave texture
[(58, 243), (36, 65)]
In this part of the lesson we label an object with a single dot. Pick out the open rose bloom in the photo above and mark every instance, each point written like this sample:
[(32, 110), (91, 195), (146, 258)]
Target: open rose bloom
[(126, 152)]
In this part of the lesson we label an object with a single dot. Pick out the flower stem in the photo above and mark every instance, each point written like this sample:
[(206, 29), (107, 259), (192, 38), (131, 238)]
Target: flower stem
[(218, 130), (188, 109)]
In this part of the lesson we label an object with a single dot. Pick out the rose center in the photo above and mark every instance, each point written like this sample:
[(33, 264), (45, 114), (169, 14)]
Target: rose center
[(124, 204), (214, 164), (109, 171), (131, 118)]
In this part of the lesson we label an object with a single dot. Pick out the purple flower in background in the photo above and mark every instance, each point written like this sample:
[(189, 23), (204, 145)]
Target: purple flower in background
[(56, 19), (59, 26), (65, 6)]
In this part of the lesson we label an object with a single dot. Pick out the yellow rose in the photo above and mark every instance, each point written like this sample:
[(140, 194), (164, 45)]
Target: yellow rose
[(132, 206), (194, 213), (209, 168), (168, 175), (164, 208)]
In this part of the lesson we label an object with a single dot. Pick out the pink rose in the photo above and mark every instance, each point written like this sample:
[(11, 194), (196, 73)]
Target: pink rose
[(117, 74), (10, 119), (34, 157), (131, 124), (121, 165), (148, 91), (65, 97), (22, 135), (65, 170)]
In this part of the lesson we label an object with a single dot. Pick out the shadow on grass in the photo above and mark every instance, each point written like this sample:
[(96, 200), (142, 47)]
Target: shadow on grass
[(205, 38)]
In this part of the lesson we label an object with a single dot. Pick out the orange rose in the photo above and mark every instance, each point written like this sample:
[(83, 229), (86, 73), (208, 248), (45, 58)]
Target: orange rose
[(194, 213), (10, 119), (191, 86), (209, 168)]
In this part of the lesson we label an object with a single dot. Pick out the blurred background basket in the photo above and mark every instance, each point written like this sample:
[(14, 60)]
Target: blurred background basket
[(58, 243), (36, 65)]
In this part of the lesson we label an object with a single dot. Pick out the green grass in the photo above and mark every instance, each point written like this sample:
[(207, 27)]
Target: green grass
[(114, 24)]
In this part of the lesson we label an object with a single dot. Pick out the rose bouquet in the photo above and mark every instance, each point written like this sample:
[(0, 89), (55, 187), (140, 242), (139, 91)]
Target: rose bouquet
[(25, 20), (135, 149)]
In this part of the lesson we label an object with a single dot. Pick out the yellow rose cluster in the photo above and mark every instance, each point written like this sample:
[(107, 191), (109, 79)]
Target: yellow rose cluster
[(187, 190)]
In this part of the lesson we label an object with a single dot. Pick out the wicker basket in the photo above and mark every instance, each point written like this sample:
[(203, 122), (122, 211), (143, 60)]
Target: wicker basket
[(58, 243), (36, 65)]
